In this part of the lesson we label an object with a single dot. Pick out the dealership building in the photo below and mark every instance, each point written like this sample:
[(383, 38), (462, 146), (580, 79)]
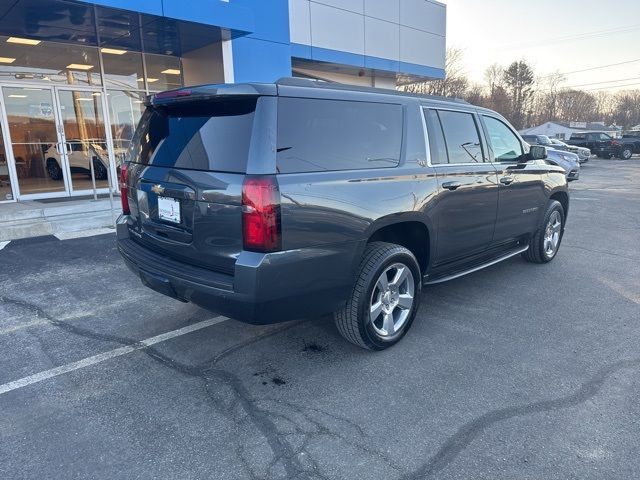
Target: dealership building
[(74, 75)]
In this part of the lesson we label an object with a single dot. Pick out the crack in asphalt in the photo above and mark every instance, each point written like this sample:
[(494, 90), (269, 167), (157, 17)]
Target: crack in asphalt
[(260, 418), (471, 430), (83, 332)]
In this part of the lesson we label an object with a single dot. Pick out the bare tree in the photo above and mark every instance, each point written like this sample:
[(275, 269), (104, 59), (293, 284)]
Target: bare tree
[(494, 76), (454, 84), (605, 106), (516, 94), (549, 88), (576, 105), (627, 108)]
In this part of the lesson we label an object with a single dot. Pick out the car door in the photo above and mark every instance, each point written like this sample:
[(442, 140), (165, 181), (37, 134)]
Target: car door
[(521, 193), (467, 199), (595, 141)]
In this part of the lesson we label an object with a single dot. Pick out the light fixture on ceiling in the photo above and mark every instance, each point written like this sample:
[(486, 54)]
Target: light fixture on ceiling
[(171, 71), (15, 95), (79, 66), (7, 60), (96, 94), (113, 51), (137, 101), (23, 41), (151, 80), (85, 99)]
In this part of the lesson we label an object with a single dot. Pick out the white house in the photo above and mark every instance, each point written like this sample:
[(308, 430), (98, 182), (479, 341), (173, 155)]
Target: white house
[(563, 130)]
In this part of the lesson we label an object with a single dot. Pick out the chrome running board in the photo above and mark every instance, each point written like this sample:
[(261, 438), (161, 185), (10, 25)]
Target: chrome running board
[(426, 281)]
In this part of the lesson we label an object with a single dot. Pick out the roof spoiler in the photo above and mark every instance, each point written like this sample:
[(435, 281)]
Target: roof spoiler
[(209, 92)]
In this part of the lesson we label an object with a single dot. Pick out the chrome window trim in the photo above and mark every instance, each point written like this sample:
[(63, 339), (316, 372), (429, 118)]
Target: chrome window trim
[(426, 137)]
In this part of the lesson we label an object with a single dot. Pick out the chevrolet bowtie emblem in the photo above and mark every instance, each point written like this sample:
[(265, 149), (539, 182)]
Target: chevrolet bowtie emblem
[(158, 189)]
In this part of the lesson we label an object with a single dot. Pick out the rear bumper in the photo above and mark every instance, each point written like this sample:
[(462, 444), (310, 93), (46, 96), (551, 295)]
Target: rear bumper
[(265, 288)]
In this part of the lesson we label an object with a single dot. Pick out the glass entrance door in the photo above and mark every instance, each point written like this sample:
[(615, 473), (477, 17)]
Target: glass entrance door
[(83, 129), (57, 141), (6, 193), (35, 145)]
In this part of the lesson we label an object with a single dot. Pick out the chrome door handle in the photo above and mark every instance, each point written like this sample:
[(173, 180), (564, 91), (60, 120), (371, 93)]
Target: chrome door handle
[(506, 180)]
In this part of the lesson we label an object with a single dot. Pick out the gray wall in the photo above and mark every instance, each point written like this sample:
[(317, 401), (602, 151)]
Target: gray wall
[(411, 31)]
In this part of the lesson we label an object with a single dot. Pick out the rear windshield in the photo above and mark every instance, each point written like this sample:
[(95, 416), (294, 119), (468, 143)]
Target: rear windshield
[(206, 136)]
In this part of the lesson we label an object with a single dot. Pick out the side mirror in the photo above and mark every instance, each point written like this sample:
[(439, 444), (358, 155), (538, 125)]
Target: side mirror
[(537, 152)]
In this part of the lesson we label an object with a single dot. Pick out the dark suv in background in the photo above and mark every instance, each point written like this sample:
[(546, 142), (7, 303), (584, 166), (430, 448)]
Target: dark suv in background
[(603, 145), (270, 202)]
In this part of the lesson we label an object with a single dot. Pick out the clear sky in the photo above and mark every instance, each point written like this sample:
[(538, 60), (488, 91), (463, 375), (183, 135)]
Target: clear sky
[(552, 35)]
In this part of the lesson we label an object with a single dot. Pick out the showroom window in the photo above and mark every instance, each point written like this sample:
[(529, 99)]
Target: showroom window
[(53, 63), (163, 72), (125, 110)]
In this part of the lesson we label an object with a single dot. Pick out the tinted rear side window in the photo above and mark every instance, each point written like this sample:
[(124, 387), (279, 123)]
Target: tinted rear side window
[(461, 135), (437, 147), (319, 135), (207, 136)]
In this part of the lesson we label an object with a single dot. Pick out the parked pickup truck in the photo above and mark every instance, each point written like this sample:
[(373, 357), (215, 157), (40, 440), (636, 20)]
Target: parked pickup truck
[(271, 202), (583, 153), (603, 145), (634, 138)]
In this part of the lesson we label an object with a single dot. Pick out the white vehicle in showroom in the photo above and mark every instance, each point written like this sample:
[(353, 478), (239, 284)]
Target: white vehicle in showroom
[(80, 154)]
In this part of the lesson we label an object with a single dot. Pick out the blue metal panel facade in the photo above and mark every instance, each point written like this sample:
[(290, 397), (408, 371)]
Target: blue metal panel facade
[(265, 54), (260, 30)]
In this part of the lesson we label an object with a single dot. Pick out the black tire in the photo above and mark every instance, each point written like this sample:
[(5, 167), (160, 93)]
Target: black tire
[(99, 170), (537, 252), (53, 169), (626, 153), (352, 320)]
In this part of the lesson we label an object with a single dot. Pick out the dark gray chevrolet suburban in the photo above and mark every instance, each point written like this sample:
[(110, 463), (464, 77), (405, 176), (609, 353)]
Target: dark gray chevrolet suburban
[(269, 202)]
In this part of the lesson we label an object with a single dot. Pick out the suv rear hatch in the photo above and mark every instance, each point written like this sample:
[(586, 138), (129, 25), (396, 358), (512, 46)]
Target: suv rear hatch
[(188, 161)]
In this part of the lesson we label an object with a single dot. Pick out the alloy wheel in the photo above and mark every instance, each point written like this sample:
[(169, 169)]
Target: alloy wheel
[(392, 300), (552, 234)]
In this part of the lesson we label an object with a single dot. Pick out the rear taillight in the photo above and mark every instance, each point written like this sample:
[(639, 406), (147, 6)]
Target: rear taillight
[(124, 188), (261, 214)]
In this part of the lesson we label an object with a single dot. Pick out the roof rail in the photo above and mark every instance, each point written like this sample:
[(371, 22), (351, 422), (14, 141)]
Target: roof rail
[(318, 83)]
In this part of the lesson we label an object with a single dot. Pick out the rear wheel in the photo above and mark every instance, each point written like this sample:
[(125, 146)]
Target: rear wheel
[(546, 242), (384, 299)]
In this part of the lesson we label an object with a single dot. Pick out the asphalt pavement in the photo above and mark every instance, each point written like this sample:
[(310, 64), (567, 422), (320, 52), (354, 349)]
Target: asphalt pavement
[(516, 371)]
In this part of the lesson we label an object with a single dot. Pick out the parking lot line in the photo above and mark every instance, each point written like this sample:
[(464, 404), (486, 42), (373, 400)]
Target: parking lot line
[(101, 357)]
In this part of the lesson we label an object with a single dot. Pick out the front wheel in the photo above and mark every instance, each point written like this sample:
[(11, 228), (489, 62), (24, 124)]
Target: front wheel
[(53, 169), (626, 153), (384, 299), (100, 171), (546, 241)]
